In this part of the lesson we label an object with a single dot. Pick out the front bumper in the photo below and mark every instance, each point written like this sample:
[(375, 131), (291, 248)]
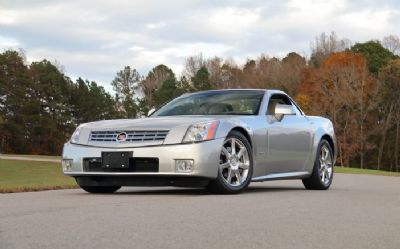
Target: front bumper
[(205, 156)]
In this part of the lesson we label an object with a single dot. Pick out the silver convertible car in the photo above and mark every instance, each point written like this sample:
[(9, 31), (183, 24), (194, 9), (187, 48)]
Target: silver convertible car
[(220, 139)]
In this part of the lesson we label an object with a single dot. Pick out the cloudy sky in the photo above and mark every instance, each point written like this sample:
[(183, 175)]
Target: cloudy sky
[(95, 39)]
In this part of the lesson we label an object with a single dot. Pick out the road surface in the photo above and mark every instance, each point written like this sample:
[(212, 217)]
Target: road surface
[(359, 211)]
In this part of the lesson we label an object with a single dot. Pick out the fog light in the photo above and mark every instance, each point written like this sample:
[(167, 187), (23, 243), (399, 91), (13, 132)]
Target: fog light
[(184, 165), (66, 164)]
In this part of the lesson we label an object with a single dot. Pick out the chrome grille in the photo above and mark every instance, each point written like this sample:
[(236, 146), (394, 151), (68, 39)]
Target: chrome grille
[(131, 136)]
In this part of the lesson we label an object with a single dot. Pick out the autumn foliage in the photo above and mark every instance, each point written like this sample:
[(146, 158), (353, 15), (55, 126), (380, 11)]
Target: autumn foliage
[(356, 86), (343, 90)]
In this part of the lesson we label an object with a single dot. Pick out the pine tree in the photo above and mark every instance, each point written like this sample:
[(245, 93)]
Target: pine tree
[(125, 84)]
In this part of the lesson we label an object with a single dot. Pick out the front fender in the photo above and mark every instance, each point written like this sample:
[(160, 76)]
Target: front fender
[(227, 125), (323, 127)]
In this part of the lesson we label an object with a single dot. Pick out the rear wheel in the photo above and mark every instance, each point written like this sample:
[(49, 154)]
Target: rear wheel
[(322, 174), (235, 167), (100, 189)]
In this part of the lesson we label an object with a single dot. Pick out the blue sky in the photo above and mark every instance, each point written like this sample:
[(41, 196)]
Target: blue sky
[(95, 39)]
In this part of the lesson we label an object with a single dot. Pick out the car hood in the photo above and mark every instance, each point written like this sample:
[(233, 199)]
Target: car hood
[(147, 123), (176, 127)]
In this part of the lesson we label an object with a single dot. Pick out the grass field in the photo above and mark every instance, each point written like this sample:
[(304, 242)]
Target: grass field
[(21, 176), (365, 171), (33, 156)]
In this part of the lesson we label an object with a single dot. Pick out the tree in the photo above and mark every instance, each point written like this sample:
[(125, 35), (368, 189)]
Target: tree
[(91, 102), (213, 66), (392, 43), (389, 77), (167, 92), (250, 77), (291, 73), (125, 84), (192, 65), (343, 90), (35, 106), (201, 80), (324, 45), (376, 55), (231, 75), (15, 93), (153, 81), (184, 85), (50, 125)]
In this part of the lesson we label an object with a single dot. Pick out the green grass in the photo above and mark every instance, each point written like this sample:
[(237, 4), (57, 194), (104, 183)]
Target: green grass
[(346, 170), (33, 156), (22, 176)]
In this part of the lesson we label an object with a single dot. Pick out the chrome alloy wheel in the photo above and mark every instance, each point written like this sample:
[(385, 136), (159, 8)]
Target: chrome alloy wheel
[(234, 162), (325, 165)]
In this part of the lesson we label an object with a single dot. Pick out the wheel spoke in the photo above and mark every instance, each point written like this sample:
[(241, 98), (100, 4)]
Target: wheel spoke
[(233, 146), (326, 153), (237, 175), (241, 151), (327, 175), (224, 165), (226, 153), (229, 177), (323, 176), (244, 166), (329, 171)]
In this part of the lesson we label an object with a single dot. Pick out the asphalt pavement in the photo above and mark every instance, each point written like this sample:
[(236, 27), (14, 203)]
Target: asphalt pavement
[(359, 211)]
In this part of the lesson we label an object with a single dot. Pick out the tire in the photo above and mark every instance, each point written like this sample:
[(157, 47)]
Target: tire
[(100, 189), (322, 174), (235, 169)]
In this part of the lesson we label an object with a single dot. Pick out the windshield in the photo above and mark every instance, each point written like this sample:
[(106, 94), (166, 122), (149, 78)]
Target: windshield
[(214, 103)]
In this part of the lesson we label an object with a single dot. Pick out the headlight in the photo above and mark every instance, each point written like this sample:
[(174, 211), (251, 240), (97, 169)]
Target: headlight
[(75, 135), (201, 132)]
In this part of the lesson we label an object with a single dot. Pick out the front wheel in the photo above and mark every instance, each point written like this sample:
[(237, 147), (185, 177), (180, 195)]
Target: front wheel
[(322, 174), (100, 189), (235, 167)]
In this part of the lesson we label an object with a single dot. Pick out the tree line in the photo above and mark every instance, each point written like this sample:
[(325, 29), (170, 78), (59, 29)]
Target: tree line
[(356, 85)]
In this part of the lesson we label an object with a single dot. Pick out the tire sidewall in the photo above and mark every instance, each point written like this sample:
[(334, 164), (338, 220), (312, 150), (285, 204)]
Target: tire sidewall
[(317, 163), (220, 178)]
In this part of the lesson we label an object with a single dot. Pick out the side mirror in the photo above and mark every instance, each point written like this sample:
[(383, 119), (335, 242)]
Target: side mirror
[(281, 109), (151, 111)]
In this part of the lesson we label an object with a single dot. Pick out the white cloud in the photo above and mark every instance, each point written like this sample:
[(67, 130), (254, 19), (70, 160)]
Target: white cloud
[(95, 39), (136, 48), (157, 25), (231, 21), (7, 17), (369, 24)]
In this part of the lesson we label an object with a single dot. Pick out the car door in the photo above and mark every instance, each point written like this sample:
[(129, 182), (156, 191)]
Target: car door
[(289, 138)]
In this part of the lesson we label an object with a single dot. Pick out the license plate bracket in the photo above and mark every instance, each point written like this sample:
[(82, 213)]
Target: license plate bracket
[(116, 160)]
